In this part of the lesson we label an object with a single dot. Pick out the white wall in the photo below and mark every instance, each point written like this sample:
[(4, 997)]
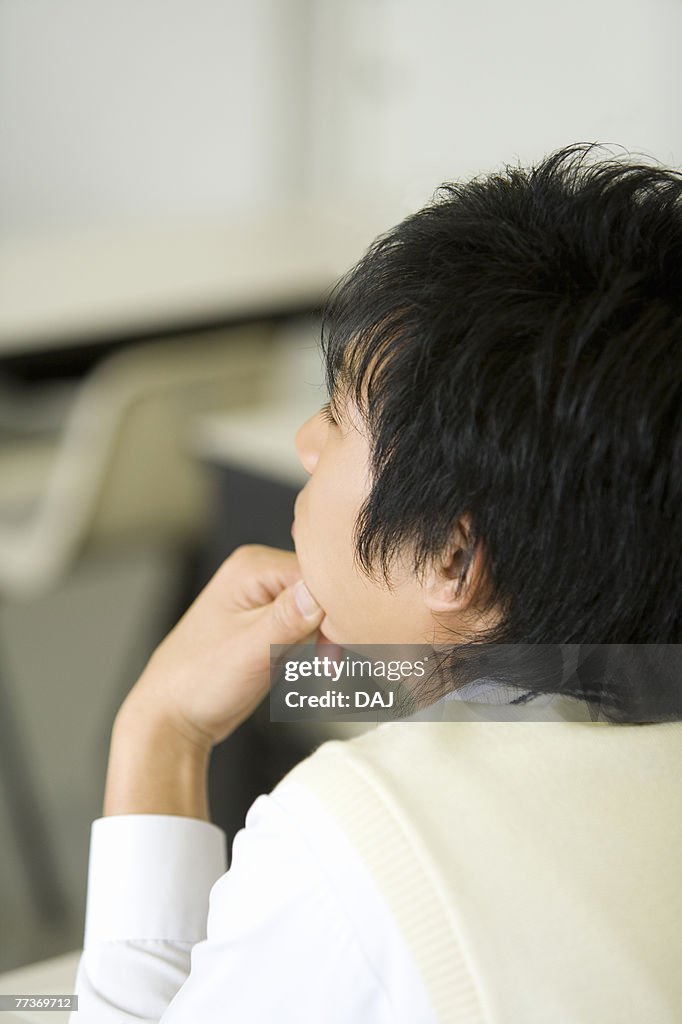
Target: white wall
[(412, 92), (112, 111)]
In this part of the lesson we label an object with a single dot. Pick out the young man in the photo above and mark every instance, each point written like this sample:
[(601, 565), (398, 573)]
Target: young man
[(499, 462)]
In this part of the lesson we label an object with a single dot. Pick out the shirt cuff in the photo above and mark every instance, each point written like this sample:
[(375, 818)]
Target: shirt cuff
[(150, 876)]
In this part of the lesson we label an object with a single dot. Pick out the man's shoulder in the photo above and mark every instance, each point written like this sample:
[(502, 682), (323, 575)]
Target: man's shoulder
[(414, 754)]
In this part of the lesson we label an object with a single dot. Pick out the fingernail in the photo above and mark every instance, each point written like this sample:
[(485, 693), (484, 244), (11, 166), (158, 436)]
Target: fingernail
[(307, 604)]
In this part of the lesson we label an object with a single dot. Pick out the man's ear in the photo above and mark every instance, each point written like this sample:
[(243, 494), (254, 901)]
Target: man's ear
[(451, 583)]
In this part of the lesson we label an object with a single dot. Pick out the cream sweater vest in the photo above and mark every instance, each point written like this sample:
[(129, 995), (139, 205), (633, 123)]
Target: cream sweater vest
[(534, 868)]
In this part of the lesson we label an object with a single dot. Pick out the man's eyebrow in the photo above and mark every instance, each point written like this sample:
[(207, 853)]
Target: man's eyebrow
[(339, 404), (333, 404)]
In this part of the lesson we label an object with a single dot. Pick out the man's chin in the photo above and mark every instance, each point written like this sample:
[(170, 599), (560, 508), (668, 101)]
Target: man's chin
[(327, 642)]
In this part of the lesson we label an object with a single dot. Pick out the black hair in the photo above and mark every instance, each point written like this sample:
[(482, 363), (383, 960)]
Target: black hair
[(515, 351)]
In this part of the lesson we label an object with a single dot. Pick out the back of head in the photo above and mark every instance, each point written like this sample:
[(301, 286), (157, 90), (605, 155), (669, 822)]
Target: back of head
[(515, 348)]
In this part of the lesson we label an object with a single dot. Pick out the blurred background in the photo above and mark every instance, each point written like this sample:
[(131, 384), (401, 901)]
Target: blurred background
[(181, 183)]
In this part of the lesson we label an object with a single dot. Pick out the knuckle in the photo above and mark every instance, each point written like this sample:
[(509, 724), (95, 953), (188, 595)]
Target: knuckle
[(284, 615), (244, 555)]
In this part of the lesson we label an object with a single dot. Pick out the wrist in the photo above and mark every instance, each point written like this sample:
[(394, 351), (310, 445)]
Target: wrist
[(154, 766), (145, 710)]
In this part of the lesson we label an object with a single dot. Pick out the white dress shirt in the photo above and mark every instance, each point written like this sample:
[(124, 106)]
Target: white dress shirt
[(295, 932)]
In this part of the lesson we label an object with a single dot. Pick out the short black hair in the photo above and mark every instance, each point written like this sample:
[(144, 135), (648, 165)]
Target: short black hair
[(515, 350)]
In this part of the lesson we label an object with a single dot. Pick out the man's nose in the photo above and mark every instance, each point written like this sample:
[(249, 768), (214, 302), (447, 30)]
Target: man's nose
[(308, 441)]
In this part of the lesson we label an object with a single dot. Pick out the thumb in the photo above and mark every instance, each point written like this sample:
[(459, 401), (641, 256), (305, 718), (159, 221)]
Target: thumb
[(296, 613)]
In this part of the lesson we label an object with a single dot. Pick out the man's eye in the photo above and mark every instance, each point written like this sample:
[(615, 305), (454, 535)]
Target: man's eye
[(327, 414)]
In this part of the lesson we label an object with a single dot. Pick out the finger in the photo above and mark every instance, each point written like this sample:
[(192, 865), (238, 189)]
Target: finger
[(259, 591), (276, 577), (295, 614), (255, 574)]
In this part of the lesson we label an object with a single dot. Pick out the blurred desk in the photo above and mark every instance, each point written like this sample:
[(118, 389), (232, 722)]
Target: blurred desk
[(53, 977), (68, 290), (258, 442)]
